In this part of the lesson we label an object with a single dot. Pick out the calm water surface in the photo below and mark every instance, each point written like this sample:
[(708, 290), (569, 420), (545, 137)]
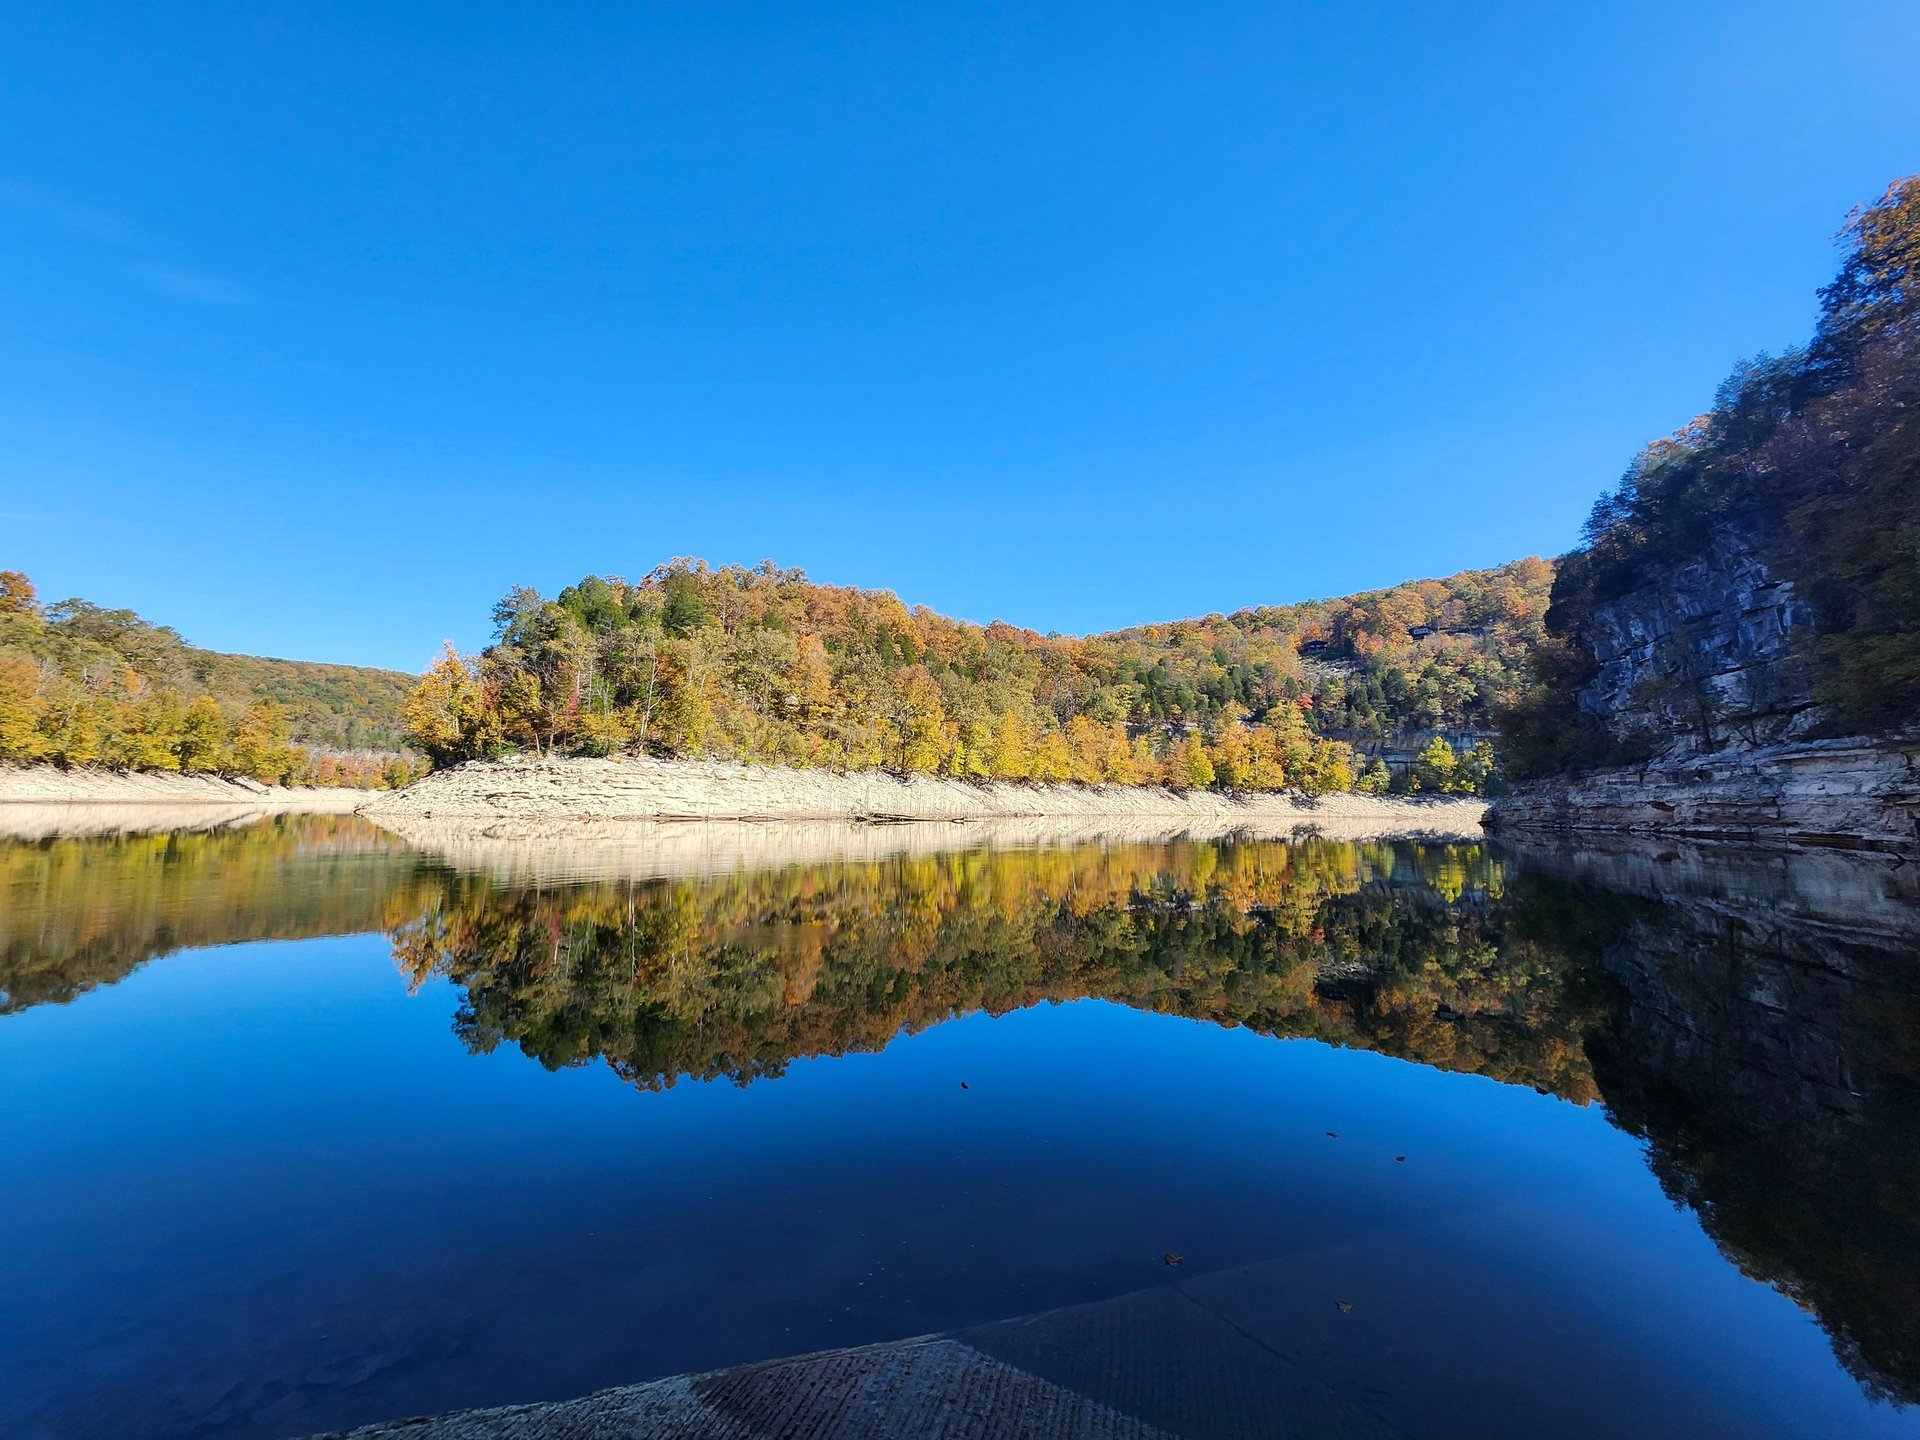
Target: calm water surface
[(304, 1127)]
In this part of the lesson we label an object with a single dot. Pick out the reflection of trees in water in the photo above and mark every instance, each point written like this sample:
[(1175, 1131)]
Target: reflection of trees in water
[(81, 912), (1770, 1060), (1394, 947), (1771, 1070)]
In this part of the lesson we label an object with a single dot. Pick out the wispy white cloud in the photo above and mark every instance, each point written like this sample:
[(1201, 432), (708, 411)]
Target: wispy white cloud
[(52, 210), (195, 285), (178, 282)]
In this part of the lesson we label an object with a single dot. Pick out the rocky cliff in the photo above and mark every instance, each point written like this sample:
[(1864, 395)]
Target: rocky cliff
[(1698, 669), (1702, 658)]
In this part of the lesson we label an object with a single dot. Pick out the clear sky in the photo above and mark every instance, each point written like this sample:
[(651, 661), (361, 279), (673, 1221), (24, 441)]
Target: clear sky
[(322, 325)]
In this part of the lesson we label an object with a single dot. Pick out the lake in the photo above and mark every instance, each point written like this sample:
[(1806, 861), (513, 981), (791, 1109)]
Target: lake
[(307, 1126)]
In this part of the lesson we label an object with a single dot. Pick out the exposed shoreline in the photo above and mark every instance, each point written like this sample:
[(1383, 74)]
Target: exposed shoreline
[(50, 785), (643, 788)]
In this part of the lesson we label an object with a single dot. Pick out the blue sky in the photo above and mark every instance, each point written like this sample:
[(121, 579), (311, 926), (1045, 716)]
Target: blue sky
[(321, 326)]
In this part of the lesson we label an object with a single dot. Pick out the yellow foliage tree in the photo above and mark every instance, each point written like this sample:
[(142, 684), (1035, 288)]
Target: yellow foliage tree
[(20, 709), (684, 714), (1010, 753), (203, 736), (17, 595), (446, 712), (1188, 768), (259, 746), (1433, 767), (918, 737), (1233, 750)]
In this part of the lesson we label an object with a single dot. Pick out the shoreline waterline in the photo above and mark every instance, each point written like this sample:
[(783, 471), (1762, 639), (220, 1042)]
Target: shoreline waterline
[(50, 785), (527, 788)]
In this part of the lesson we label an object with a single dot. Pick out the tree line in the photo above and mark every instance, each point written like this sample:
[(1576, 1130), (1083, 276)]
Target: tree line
[(762, 664), (82, 685)]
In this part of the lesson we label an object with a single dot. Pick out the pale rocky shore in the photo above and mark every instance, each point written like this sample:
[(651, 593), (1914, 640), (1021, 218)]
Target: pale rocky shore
[(50, 785), (641, 788)]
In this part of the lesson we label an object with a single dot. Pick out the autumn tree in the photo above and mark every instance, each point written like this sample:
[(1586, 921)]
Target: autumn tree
[(1434, 767), (1477, 772), (1232, 754), (918, 721), (17, 595), (1010, 753), (21, 708), (203, 736), (260, 745), (446, 713), (1876, 295), (1188, 768)]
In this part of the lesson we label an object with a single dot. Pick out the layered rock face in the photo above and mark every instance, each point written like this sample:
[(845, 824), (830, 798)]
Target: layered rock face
[(1699, 669), (1702, 658), (1863, 794)]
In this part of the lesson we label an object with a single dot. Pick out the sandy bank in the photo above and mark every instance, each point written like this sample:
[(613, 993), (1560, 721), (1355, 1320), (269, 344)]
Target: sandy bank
[(641, 788), (47, 784)]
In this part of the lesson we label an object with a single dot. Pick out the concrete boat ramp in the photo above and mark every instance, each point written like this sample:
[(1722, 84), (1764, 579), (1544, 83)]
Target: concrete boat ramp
[(1156, 1364), (1462, 1326)]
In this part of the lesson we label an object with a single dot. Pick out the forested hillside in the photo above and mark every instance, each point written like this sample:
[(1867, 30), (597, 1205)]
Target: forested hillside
[(763, 664), (1812, 459), (336, 707), (1429, 654), (84, 685)]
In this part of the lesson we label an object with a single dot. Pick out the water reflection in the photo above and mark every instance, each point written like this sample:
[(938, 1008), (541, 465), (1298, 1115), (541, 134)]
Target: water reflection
[(1764, 1040), (1754, 1019), (1400, 948), (78, 911)]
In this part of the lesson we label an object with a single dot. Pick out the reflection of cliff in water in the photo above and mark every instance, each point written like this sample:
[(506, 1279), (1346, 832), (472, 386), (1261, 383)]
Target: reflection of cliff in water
[(1768, 1050), (1755, 1017)]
